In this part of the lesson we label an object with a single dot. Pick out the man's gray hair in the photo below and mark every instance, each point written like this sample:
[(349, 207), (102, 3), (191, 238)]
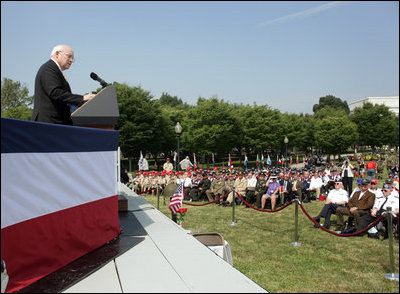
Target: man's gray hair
[(56, 48)]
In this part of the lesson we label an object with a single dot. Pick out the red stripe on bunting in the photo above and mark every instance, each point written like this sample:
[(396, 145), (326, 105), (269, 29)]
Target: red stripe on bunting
[(42, 245)]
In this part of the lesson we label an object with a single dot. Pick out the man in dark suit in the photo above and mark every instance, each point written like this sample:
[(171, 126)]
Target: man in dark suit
[(53, 95), (286, 186)]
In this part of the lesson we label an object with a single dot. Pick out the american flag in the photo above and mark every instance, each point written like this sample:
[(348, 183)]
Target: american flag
[(177, 198)]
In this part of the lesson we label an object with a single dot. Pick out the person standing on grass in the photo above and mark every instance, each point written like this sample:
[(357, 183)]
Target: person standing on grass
[(371, 168), (346, 172)]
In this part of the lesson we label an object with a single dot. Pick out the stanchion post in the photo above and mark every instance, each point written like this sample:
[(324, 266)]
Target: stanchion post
[(158, 201), (391, 276), (296, 223), (233, 208)]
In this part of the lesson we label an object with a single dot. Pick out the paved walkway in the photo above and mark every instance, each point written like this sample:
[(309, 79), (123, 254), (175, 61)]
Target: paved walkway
[(167, 260)]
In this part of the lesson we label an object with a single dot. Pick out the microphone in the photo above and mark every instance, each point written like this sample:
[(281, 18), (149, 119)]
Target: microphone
[(97, 78)]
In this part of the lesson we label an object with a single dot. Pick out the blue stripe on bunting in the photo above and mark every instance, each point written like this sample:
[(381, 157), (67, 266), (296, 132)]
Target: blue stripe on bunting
[(22, 136)]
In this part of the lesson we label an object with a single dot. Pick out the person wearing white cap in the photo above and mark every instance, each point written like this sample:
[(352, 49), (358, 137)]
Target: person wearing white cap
[(337, 197)]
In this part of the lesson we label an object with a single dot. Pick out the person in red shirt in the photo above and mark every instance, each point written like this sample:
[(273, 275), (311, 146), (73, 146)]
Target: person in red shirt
[(371, 169)]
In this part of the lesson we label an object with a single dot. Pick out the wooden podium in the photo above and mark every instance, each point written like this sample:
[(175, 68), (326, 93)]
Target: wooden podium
[(101, 112)]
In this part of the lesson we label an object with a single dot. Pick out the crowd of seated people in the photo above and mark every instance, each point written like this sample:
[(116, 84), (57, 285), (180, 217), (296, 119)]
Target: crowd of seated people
[(270, 187)]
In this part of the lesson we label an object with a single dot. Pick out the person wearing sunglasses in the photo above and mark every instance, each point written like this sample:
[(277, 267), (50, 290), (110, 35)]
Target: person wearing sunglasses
[(380, 206), (337, 197), (53, 97)]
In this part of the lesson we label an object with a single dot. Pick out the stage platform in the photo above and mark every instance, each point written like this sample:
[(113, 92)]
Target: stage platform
[(157, 255)]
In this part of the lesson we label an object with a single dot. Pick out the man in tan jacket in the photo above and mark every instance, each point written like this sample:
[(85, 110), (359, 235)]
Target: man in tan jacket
[(359, 204), (240, 187)]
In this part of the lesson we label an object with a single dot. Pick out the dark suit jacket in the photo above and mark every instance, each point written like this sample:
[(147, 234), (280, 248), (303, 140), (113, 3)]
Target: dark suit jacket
[(288, 186), (53, 96)]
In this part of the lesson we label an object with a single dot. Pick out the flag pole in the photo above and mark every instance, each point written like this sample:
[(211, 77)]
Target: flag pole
[(233, 208)]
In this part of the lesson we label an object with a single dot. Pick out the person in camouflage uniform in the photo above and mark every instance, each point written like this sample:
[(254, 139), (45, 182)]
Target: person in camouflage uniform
[(204, 185), (261, 189), (217, 188)]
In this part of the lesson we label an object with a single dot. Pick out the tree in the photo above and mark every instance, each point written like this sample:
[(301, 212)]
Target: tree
[(262, 128), (331, 101), (376, 125), (15, 101), (210, 127), (334, 131), (141, 125)]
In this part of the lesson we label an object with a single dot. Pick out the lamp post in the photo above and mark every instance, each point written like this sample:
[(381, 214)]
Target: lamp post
[(286, 141), (178, 132)]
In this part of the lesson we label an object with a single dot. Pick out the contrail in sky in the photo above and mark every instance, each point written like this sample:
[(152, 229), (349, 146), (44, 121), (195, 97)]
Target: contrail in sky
[(306, 13)]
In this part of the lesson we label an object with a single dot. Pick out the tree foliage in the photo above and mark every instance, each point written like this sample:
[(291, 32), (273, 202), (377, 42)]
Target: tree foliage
[(141, 124), (376, 125), (331, 101), (15, 100), (210, 127), (215, 126)]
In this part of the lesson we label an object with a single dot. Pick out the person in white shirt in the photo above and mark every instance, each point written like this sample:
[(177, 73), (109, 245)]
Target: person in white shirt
[(346, 172), (316, 184), (251, 188), (337, 197), (374, 189), (187, 184), (380, 205)]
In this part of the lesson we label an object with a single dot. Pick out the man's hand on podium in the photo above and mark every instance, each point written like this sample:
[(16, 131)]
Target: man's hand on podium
[(88, 97)]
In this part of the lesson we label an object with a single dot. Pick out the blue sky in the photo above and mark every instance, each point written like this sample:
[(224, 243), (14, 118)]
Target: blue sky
[(282, 54)]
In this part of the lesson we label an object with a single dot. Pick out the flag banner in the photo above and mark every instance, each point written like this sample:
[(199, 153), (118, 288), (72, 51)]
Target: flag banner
[(269, 160), (230, 161), (194, 161), (246, 160), (177, 198), (257, 160), (175, 159), (291, 160), (58, 196), (297, 159)]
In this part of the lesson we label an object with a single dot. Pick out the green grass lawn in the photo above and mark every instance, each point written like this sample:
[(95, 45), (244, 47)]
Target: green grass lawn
[(262, 250)]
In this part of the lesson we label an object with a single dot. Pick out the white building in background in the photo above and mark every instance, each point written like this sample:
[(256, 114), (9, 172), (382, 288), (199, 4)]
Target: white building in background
[(392, 102)]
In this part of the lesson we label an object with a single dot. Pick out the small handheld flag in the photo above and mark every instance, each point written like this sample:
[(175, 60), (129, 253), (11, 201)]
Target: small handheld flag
[(177, 198)]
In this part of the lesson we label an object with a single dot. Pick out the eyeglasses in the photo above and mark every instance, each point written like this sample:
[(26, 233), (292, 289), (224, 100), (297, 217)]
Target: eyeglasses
[(374, 183), (385, 190), (69, 56)]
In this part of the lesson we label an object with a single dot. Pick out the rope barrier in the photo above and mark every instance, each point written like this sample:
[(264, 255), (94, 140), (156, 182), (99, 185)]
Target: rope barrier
[(337, 234), (202, 204), (281, 208), (260, 209)]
